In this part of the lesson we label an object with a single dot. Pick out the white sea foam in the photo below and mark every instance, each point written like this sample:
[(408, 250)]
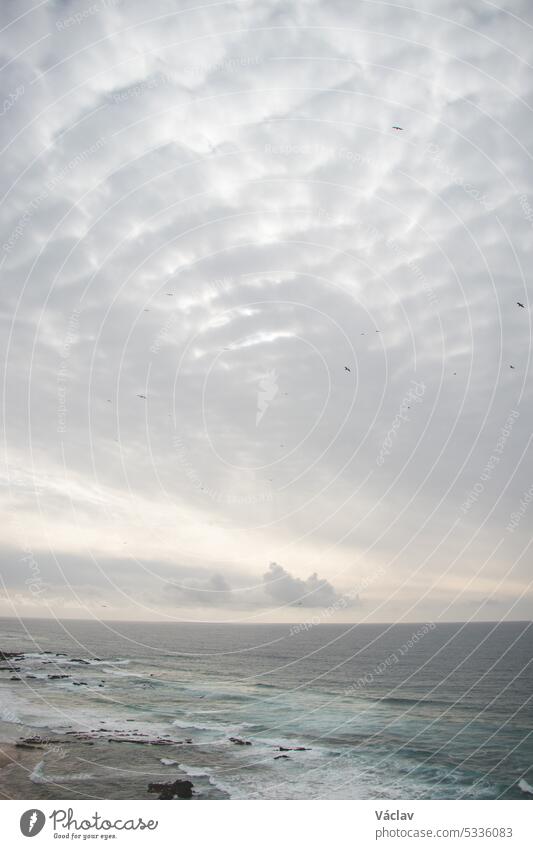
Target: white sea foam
[(525, 787), (38, 777)]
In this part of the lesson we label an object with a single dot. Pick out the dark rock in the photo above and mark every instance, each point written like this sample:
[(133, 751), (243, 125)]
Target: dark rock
[(10, 655), (178, 789), (36, 740)]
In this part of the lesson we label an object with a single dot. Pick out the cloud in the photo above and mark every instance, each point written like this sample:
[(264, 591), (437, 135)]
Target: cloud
[(222, 228), (284, 588), (212, 591)]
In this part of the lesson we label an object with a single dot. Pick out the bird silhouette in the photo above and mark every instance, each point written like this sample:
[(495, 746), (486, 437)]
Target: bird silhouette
[(397, 128), (347, 369), (511, 366), (520, 305), (142, 396)]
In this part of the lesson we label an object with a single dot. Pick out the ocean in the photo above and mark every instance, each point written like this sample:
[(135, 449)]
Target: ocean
[(428, 711)]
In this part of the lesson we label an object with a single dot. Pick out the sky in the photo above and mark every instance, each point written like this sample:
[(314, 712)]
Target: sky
[(263, 358)]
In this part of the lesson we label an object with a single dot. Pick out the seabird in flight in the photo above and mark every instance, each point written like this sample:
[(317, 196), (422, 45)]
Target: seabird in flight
[(346, 368), (520, 305)]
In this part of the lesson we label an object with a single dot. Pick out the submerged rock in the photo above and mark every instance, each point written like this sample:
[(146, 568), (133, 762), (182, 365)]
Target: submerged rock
[(293, 749), (240, 742)]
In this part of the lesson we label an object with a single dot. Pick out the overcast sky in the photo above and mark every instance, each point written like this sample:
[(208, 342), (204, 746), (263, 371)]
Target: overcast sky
[(257, 342)]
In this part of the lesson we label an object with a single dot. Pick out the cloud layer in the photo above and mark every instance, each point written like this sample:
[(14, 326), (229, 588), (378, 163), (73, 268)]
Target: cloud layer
[(225, 279)]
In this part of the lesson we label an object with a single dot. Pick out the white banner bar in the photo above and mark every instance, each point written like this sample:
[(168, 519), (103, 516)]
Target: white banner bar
[(268, 824)]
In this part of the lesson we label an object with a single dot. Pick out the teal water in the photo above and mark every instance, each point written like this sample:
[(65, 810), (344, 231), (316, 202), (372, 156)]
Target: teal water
[(403, 711)]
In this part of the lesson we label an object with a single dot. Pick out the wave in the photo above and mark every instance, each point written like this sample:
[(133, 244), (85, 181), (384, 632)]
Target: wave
[(37, 776), (406, 700), (525, 787)]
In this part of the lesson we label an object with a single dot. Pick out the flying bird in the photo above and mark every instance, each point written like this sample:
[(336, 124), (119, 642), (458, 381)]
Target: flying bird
[(346, 368), (511, 366), (142, 396), (397, 128), (520, 305)]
